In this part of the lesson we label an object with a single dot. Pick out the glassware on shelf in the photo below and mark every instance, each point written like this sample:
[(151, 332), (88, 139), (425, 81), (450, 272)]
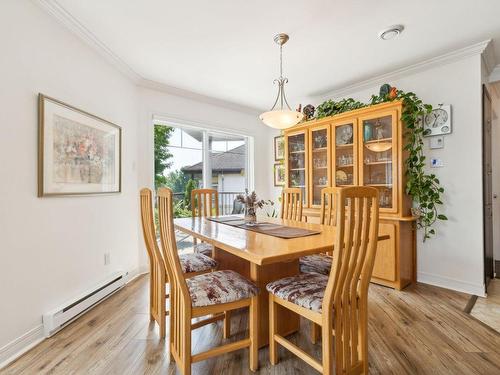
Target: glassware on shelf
[(345, 160), (320, 162), (320, 140)]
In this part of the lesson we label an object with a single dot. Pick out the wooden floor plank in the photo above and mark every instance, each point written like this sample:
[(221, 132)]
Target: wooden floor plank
[(421, 330)]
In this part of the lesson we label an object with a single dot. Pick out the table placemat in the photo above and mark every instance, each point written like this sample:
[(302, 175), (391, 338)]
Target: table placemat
[(270, 229)]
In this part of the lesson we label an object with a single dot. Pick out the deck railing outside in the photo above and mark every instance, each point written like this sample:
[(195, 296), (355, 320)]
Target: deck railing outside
[(226, 202)]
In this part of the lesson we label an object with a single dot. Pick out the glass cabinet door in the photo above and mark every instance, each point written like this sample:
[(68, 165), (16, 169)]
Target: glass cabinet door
[(345, 154), (319, 163), (297, 162), (378, 151)]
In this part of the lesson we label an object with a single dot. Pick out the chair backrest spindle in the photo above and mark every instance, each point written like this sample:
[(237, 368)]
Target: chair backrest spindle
[(346, 295), (291, 204), (204, 202)]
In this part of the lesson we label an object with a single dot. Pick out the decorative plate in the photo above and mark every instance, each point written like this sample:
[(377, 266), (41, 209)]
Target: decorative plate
[(341, 176)]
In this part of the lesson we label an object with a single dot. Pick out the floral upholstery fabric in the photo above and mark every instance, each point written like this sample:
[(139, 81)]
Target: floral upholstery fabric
[(196, 263), (305, 290), (203, 248), (317, 263), (219, 287)]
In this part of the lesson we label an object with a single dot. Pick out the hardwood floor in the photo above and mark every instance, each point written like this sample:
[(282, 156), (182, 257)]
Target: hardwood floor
[(421, 330)]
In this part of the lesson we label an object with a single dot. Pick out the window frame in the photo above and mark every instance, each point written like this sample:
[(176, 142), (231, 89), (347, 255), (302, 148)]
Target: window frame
[(207, 131)]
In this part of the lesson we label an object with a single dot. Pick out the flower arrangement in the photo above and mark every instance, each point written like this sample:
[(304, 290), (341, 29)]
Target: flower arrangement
[(251, 203)]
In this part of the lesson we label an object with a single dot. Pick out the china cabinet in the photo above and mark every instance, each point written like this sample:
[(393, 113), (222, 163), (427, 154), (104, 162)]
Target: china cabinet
[(360, 147)]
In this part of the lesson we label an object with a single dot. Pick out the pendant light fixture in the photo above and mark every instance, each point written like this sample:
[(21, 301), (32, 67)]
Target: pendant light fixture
[(281, 116)]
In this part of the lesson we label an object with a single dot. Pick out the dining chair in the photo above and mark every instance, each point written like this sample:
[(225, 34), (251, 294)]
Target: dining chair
[(204, 202), (191, 264), (291, 204), (201, 295), (322, 263), (338, 302)]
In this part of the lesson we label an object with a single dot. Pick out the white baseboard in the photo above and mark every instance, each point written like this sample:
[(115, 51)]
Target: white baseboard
[(21, 345), (135, 273), (17, 347), (449, 283)]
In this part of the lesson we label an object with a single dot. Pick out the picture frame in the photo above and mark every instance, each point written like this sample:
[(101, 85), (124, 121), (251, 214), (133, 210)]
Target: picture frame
[(78, 153), (279, 148), (279, 174)]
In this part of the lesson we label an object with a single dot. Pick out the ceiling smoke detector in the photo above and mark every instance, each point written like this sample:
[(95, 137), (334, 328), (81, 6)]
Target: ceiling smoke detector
[(391, 32)]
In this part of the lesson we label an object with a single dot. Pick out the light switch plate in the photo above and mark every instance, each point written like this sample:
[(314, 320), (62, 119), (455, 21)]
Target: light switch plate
[(436, 142), (436, 163)]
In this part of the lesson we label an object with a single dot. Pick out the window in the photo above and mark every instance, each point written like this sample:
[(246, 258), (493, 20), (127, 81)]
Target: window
[(187, 158)]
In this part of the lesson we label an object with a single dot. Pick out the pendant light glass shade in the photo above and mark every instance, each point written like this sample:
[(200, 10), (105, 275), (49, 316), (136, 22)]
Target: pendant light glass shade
[(281, 117)]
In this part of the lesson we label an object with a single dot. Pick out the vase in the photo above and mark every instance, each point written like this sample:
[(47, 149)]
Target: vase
[(250, 215), (368, 132)]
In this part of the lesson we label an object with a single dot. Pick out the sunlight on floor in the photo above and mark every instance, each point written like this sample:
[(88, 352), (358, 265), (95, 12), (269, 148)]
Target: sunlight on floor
[(487, 310)]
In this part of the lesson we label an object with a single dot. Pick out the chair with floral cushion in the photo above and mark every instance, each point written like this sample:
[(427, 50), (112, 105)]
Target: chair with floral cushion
[(322, 263), (202, 295), (191, 264), (204, 202), (338, 302)]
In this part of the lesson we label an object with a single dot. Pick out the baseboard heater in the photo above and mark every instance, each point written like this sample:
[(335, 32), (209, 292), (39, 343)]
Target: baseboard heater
[(58, 318)]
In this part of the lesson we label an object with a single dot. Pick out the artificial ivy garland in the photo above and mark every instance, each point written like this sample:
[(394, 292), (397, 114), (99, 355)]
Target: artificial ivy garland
[(424, 188)]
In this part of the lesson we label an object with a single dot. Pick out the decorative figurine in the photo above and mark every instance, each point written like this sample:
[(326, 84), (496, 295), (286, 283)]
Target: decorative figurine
[(308, 111), (384, 90)]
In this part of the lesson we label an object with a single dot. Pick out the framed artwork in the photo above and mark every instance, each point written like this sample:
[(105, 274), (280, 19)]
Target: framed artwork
[(78, 153), (279, 148), (279, 174)]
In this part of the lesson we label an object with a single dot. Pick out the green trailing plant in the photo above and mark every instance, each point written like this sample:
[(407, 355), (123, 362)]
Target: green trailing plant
[(423, 187), (331, 108)]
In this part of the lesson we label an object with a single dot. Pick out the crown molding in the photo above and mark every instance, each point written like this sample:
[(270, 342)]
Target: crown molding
[(447, 58), (171, 90), (488, 56), (69, 21), (64, 17)]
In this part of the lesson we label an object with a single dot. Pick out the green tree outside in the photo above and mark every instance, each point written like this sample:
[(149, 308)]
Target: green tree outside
[(162, 136)]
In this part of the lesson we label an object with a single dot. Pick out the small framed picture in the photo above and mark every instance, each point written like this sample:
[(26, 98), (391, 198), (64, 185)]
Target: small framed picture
[(78, 153), (279, 148), (279, 174)]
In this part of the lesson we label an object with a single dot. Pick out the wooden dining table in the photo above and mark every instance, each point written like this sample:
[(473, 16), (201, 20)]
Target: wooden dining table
[(261, 258)]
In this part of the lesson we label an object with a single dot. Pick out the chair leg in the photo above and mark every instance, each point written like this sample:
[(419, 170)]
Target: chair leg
[(363, 341), (326, 341), (254, 333), (273, 321), (185, 366), (315, 332), (227, 324)]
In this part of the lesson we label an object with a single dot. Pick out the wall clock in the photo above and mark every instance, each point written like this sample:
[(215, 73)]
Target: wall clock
[(438, 122)]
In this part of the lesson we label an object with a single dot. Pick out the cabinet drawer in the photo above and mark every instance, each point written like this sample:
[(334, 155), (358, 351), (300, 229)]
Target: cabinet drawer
[(385, 259)]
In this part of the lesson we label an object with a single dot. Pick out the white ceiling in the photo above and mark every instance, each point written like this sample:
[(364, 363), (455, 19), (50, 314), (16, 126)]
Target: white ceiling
[(224, 49)]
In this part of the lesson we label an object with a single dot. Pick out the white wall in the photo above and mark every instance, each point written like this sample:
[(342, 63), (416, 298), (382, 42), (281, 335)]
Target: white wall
[(52, 248), (188, 111), (454, 258)]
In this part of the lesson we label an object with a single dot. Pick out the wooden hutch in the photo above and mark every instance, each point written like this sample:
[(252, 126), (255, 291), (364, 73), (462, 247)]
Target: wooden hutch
[(360, 147)]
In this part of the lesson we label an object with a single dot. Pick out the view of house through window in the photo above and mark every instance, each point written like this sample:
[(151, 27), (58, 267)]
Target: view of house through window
[(187, 159)]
